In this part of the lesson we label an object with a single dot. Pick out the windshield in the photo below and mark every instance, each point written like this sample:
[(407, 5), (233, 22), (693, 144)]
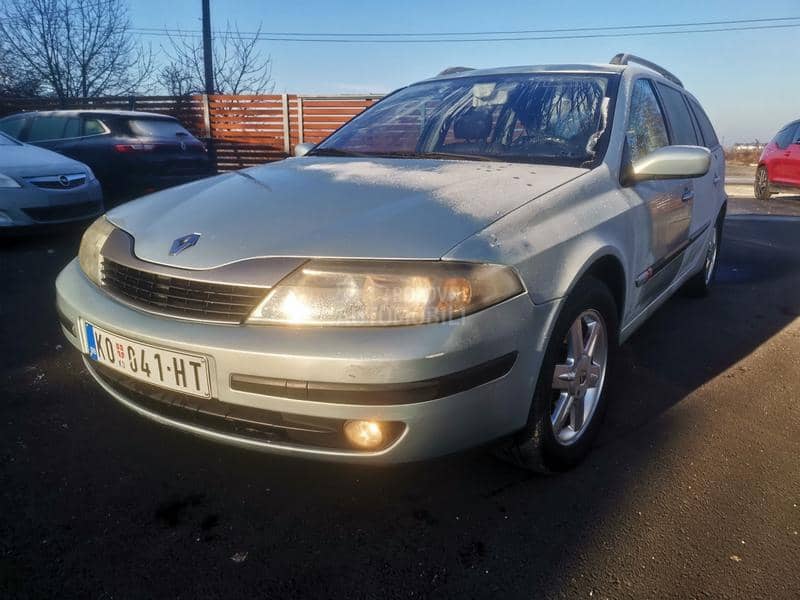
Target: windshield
[(7, 140), (536, 118)]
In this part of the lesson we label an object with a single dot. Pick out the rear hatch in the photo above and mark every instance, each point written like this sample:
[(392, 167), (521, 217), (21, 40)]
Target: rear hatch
[(165, 148)]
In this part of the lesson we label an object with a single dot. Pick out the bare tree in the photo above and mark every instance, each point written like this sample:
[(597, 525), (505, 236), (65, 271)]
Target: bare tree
[(239, 65), (16, 81), (77, 48), (177, 80)]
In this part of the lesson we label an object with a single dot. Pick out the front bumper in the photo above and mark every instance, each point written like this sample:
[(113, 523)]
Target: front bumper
[(31, 206), (362, 359)]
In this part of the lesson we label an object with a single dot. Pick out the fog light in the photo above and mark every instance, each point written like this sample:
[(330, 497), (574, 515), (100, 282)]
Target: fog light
[(364, 434)]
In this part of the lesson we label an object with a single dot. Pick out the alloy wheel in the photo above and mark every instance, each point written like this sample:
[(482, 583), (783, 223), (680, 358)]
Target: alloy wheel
[(578, 380), (762, 183)]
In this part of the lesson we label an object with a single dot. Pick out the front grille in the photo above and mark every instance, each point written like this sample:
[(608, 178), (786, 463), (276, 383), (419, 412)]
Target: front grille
[(181, 297), (223, 417), (63, 213), (62, 182)]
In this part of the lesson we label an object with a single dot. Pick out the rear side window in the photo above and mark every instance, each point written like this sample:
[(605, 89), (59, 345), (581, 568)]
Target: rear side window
[(93, 127), (72, 128), (646, 129), (13, 127), (680, 120), (786, 136), (706, 128), (46, 128), (156, 128)]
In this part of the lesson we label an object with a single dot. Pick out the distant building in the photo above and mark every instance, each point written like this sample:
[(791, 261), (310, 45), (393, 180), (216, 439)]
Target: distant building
[(748, 147)]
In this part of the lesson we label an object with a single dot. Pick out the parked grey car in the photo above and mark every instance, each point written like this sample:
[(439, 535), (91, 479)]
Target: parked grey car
[(455, 266), (39, 187)]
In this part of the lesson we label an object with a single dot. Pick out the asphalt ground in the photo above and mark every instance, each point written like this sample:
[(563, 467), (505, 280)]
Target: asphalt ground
[(692, 490)]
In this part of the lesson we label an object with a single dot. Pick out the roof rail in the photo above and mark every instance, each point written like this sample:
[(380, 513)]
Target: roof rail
[(454, 70), (624, 59)]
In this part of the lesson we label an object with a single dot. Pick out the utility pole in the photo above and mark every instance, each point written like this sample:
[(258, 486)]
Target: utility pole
[(208, 67), (207, 50)]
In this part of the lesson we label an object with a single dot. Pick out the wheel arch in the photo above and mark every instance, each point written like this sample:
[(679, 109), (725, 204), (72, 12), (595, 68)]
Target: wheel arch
[(606, 266)]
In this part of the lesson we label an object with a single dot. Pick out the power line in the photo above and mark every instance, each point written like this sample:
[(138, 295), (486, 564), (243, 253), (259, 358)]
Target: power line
[(273, 38), (485, 33)]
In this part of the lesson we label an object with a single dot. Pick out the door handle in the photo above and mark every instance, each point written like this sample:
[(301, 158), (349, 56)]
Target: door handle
[(687, 195), (717, 179)]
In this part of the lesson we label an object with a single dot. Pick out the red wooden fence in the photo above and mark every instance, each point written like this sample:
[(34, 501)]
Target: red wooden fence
[(242, 130)]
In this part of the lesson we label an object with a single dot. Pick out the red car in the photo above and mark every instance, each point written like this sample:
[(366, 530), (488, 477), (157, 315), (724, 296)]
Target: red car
[(779, 165)]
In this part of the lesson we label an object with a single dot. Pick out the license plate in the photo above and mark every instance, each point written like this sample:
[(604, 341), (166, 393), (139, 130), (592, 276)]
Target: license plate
[(185, 373)]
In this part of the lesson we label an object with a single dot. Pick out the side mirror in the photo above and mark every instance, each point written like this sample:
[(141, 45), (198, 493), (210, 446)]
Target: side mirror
[(303, 149), (670, 162)]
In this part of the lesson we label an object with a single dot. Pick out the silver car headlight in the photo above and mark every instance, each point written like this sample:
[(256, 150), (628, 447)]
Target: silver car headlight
[(91, 245), (7, 182), (383, 293)]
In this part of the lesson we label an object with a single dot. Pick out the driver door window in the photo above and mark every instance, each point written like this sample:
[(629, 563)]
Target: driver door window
[(664, 218), (646, 128)]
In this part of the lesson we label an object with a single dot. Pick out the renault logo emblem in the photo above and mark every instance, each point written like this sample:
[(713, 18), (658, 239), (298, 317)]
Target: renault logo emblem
[(184, 242)]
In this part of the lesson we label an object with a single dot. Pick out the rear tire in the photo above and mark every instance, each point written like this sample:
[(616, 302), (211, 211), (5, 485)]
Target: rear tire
[(570, 398), (699, 286), (762, 188)]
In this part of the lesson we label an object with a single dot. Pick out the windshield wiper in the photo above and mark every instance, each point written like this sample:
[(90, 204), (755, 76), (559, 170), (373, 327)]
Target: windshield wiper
[(456, 156), (445, 155)]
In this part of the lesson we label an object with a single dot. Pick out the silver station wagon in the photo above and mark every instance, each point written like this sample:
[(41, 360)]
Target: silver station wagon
[(455, 266)]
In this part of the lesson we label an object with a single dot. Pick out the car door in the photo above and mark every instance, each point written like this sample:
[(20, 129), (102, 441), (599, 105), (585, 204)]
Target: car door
[(662, 208), (83, 146), (709, 189), (792, 159), (779, 158)]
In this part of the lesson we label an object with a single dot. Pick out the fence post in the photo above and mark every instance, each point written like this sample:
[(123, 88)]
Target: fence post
[(206, 115), (287, 142), (212, 151), (300, 126)]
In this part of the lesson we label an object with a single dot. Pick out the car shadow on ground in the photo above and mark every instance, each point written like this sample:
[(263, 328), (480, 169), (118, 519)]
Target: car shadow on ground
[(155, 507)]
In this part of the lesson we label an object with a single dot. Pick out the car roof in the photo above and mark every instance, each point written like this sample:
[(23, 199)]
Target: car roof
[(631, 69), (527, 69), (131, 114)]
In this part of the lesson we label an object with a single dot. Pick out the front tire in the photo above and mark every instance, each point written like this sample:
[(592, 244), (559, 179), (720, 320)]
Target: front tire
[(569, 400), (761, 187)]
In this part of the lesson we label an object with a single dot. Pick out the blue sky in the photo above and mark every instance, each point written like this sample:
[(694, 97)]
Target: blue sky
[(748, 80)]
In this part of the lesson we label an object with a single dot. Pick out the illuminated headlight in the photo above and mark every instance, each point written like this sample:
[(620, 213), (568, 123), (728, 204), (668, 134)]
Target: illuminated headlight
[(7, 182), (91, 245), (353, 293)]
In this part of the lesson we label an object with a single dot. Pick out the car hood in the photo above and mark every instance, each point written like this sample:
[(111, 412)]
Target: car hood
[(29, 161), (332, 207)]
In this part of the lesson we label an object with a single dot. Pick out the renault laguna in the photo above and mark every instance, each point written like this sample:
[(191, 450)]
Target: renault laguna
[(453, 267)]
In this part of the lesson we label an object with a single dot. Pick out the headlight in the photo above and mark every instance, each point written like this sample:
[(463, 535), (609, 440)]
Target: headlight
[(7, 182), (336, 292), (91, 245), (90, 176)]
